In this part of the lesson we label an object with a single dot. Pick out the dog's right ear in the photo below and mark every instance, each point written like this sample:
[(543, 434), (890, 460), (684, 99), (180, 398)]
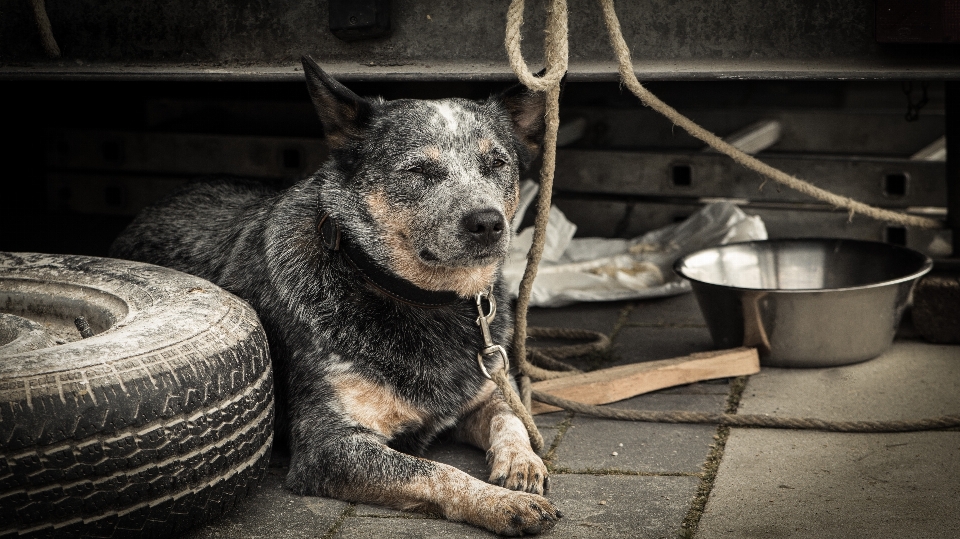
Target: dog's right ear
[(342, 112)]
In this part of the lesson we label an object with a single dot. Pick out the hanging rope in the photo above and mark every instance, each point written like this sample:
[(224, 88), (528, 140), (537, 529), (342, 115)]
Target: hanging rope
[(629, 79), (555, 54), (43, 26), (555, 45)]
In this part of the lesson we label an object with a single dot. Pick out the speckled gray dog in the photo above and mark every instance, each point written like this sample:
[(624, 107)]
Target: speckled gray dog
[(365, 276)]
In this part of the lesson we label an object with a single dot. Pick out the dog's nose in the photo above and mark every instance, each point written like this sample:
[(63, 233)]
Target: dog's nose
[(484, 226)]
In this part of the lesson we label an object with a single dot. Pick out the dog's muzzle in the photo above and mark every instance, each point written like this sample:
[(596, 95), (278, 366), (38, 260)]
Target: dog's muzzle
[(484, 227)]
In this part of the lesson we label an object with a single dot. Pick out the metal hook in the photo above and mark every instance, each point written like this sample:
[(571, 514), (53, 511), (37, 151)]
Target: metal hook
[(484, 320)]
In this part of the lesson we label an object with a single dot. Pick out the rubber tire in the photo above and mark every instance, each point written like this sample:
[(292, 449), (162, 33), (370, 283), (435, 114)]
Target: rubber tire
[(160, 422)]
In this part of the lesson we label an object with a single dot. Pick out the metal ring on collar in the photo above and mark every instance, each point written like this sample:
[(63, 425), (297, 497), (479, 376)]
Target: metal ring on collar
[(491, 350)]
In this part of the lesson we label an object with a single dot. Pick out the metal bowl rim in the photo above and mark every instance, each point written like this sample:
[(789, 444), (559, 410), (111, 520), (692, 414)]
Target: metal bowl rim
[(927, 266)]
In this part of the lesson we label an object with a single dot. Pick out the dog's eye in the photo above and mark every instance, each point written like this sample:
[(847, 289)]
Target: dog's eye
[(497, 163), (416, 169)]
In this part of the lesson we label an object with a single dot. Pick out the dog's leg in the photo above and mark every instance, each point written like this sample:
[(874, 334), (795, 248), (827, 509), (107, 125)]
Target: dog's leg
[(493, 426), (358, 467)]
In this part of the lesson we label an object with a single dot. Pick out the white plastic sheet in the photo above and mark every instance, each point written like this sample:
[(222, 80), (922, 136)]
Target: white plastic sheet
[(599, 269)]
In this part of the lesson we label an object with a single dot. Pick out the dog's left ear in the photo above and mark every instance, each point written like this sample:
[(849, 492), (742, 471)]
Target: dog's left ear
[(527, 110), (342, 112)]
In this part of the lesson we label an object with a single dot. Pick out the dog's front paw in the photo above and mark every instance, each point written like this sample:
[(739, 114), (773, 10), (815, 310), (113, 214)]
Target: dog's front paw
[(518, 468), (520, 513)]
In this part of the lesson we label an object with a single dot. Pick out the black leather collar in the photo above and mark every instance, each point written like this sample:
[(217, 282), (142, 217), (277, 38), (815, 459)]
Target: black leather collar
[(381, 280)]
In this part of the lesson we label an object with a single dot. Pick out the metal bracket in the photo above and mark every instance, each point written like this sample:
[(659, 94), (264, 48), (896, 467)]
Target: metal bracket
[(353, 20)]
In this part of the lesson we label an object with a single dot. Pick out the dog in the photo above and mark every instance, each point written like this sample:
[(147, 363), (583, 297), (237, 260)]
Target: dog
[(366, 277)]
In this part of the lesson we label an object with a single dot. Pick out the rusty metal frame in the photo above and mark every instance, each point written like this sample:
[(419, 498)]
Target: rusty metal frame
[(188, 40)]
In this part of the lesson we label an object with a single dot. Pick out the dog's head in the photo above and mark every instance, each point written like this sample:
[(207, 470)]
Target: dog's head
[(427, 188)]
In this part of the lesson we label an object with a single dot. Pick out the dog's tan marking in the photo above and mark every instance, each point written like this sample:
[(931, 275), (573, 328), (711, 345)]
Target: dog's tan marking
[(467, 282), (484, 145), (432, 152), (512, 202), (374, 406)]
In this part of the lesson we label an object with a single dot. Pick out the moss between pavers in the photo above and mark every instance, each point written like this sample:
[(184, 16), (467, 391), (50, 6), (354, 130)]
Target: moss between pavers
[(562, 429), (563, 470), (622, 320), (709, 474), (689, 525), (408, 515), (335, 529)]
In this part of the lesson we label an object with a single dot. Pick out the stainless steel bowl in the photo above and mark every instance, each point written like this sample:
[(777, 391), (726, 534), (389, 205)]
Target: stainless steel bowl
[(804, 302)]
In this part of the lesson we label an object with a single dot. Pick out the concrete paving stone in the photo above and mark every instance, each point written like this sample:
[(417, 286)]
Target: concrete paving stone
[(589, 443), (635, 507), (806, 484), (408, 528), (912, 380), (660, 400), (465, 457), (549, 425), (274, 512), (784, 483), (719, 386), (635, 344), (679, 310), (600, 316), (549, 421)]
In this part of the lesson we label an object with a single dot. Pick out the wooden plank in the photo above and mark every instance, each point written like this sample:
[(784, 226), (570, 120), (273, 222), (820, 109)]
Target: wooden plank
[(617, 383)]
